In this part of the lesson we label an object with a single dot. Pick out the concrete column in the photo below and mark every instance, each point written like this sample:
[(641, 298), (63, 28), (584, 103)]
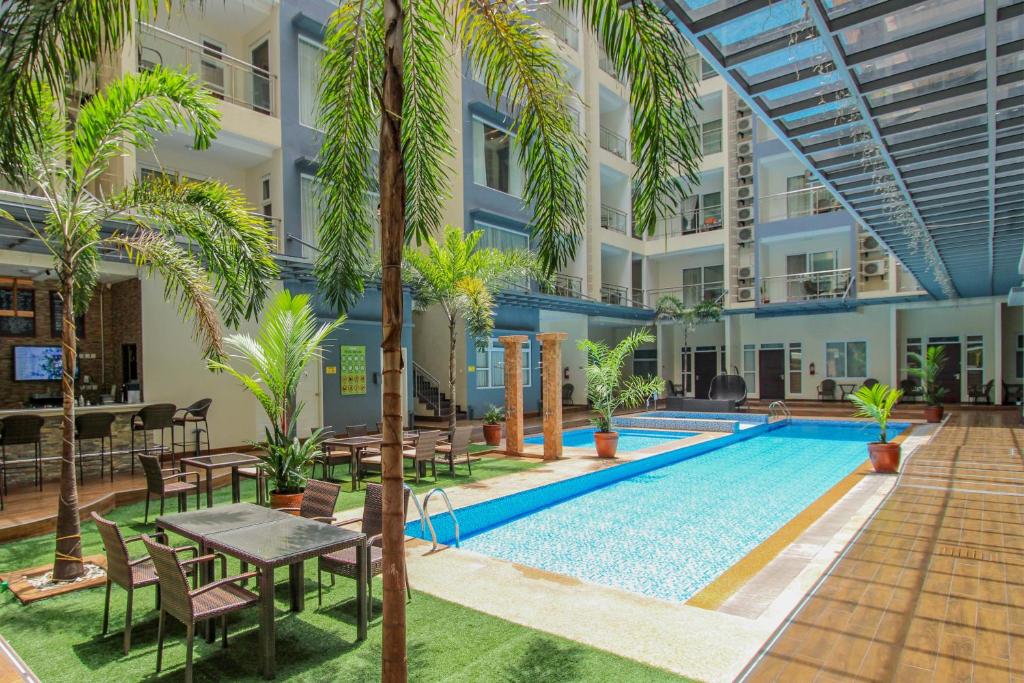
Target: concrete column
[(551, 386), (514, 392)]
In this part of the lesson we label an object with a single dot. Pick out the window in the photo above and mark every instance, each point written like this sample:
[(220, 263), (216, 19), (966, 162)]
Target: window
[(706, 70), (846, 359), (645, 363), (711, 136), (913, 346), (495, 159), (310, 54), (687, 369), (505, 239), (1020, 356), (490, 365), (57, 318), (213, 67), (796, 367), (702, 283), (17, 308), (750, 366), (310, 213), (975, 361)]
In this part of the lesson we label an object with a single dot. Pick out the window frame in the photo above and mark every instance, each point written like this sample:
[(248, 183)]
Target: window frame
[(493, 345), (846, 359), (311, 42), (512, 158)]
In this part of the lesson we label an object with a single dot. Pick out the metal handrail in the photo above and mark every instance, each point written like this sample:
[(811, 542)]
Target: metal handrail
[(420, 369), (425, 523), (451, 511), (781, 407), (849, 288)]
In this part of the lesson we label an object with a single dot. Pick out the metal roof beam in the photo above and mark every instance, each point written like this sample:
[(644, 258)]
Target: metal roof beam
[(938, 33)]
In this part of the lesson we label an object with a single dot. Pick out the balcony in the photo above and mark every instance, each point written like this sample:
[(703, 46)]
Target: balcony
[(228, 78), (621, 296), (690, 295), (566, 285), (563, 28), (614, 143), (810, 286), (606, 65), (700, 68), (808, 201), (613, 219), (704, 220)]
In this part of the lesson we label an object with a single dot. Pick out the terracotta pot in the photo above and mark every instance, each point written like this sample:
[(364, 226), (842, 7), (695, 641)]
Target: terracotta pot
[(285, 500), (885, 457), (607, 443), (933, 413), (492, 434)]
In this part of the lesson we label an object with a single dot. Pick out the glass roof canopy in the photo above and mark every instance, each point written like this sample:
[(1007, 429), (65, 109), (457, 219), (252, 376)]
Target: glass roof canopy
[(911, 111)]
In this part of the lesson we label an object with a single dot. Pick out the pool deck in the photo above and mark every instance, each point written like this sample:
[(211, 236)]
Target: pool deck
[(931, 590), (706, 644)]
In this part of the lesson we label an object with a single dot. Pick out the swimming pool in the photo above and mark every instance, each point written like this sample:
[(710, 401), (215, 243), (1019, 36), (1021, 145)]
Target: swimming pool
[(629, 439), (666, 526)]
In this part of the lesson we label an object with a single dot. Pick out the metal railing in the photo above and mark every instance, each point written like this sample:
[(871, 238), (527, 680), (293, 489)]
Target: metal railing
[(566, 285), (613, 219), (451, 512), (808, 201), (700, 67), (615, 294), (614, 143), (228, 78), (703, 220), (561, 26), (690, 295), (811, 286)]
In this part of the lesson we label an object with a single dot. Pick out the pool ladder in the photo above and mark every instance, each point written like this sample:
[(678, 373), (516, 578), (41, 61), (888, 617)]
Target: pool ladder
[(778, 409), (425, 523)]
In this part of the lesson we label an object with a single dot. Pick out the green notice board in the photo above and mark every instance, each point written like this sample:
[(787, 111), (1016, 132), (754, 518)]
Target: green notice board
[(353, 370)]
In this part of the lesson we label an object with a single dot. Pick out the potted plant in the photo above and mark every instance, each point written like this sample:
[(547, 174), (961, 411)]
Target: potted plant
[(492, 425), (608, 391), (877, 402), (288, 339), (928, 366)]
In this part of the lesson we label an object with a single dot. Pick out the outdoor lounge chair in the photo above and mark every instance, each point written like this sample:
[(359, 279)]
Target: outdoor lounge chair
[(827, 390), (343, 562), (728, 388), (127, 573), (457, 451), (191, 606), (982, 393)]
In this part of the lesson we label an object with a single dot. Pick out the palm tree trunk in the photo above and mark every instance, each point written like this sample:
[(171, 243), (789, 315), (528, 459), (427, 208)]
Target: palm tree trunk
[(451, 375), (67, 563), (394, 665)]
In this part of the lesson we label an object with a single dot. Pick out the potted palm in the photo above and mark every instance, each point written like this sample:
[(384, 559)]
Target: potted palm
[(876, 403), (288, 339), (928, 366), (608, 390), (492, 425)]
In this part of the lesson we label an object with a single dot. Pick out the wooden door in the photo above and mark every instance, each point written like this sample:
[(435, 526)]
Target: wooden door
[(949, 377), (772, 366), (705, 366)]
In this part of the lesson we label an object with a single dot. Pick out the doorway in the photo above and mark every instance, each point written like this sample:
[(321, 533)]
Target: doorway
[(772, 381), (705, 367), (949, 376)]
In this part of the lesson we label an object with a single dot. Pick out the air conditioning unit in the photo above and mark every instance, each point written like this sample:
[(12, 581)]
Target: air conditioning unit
[(742, 108), (745, 193), (745, 171), (744, 235), (745, 214), (745, 294), (869, 243), (744, 125), (744, 149), (874, 268), (745, 273)]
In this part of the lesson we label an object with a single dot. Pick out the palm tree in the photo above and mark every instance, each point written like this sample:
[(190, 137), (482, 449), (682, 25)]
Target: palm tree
[(464, 279), (670, 308), (199, 236), (383, 73)]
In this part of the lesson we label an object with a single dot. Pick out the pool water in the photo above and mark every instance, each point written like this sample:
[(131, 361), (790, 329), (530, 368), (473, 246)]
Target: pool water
[(669, 532), (629, 439)]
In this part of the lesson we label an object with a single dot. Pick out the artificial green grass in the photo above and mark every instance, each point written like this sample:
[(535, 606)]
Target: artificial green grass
[(59, 637)]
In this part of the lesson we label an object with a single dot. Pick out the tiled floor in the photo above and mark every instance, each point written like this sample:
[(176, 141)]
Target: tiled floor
[(933, 590)]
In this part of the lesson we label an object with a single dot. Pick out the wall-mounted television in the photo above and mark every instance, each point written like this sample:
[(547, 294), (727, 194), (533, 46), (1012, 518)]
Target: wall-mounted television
[(37, 363)]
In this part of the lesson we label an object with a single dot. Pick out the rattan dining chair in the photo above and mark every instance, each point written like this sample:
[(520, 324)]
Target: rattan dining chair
[(457, 450), (154, 417), (344, 562), (22, 430), (318, 501), (95, 427), (190, 417), (423, 452), (128, 573), (194, 605), (167, 482)]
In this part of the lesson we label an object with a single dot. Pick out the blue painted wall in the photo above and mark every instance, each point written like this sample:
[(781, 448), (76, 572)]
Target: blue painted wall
[(509, 320)]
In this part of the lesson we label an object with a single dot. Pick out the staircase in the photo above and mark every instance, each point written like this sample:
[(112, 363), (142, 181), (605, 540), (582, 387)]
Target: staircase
[(427, 390)]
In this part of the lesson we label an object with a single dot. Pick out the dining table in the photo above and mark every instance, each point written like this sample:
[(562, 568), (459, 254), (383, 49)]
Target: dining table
[(216, 461), (269, 539), (357, 445)]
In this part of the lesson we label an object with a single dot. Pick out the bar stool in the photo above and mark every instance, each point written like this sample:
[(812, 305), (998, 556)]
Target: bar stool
[(192, 416), (22, 430), (92, 426), (159, 416)]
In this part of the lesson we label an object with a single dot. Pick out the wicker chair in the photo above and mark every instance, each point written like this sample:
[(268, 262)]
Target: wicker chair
[(357, 430), (827, 390), (127, 573), (567, 391), (95, 427), (457, 450), (343, 562), (155, 417), (423, 452), (191, 606), (981, 393), (22, 430), (191, 417), (167, 482), (911, 389), (318, 501), (870, 382)]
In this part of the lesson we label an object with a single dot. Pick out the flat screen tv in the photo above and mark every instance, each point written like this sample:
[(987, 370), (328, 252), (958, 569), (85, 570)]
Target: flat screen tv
[(37, 363)]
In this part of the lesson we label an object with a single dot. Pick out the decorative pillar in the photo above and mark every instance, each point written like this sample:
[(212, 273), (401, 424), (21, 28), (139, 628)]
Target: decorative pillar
[(513, 392), (551, 381)]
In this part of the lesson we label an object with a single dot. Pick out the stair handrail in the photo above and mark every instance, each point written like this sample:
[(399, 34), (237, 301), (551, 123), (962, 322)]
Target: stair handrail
[(451, 511), (422, 371)]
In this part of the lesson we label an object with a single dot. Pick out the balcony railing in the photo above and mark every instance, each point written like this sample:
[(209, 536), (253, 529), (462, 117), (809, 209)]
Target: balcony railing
[(690, 295), (808, 201), (606, 65), (560, 25), (613, 219), (614, 143), (704, 220), (566, 285), (811, 286), (615, 294), (227, 77)]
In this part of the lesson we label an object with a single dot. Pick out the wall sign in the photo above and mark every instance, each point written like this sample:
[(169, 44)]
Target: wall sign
[(353, 370)]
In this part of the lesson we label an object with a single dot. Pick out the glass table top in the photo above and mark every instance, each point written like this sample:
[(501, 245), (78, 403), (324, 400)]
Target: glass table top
[(221, 460)]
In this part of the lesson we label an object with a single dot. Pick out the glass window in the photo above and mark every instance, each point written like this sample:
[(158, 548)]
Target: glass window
[(490, 365), (749, 366), (483, 369), (1020, 356), (309, 213), (645, 363), (796, 366), (913, 346), (687, 368), (310, 54), (846, 359), (495, 159), (17, 308), (975, 361), (711, 136)]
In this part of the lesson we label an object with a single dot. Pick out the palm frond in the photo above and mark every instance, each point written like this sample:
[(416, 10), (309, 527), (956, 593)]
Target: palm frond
[(520, 67), (233, 241), (39, 155), (350, 72)]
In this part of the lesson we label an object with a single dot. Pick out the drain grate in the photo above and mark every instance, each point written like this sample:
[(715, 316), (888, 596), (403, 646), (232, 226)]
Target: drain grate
[(963, 553)]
